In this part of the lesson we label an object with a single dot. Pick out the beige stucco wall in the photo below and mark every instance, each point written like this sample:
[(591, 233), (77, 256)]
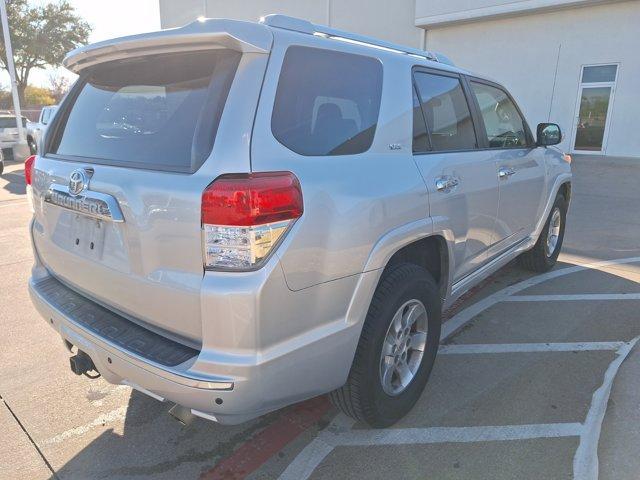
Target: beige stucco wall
[(388, 20), (524, 52), (537, 53)]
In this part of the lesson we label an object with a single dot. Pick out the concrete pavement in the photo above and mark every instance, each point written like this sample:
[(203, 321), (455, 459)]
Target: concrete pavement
[(499, 405)]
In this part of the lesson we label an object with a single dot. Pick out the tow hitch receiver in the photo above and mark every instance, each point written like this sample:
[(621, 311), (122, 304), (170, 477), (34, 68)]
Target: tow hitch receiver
[(81, 364)]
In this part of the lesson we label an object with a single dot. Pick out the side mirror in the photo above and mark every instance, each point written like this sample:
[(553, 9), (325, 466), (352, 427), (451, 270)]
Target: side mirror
[(548, 134)]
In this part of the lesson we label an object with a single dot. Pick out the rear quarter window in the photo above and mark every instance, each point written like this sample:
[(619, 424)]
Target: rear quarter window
[(327, 102), (158, 112)]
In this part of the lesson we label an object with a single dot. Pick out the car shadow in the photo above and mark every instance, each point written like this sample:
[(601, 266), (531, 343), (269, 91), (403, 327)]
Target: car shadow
[(152, 444), (15, 182)]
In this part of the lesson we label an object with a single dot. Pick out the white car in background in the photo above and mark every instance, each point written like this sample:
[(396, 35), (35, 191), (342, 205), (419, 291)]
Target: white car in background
[(10, 141), (39, 128)]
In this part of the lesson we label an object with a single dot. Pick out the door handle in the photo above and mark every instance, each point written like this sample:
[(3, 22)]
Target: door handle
[(446, 184), (505, 172)]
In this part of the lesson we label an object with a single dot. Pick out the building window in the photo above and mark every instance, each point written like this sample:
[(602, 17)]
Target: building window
[(595, 98), (599, 73)]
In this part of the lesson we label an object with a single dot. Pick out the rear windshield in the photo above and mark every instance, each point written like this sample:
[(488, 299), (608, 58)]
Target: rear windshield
[(159, 112), (10, 122)]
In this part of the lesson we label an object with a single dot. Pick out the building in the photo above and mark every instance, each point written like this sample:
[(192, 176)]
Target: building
[(573, 62)]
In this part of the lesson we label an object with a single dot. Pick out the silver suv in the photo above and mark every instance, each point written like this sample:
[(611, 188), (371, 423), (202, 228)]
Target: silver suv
[(237, 216)]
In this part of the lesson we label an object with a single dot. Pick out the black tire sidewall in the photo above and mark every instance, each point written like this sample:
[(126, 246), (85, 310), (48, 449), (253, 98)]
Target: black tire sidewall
[(419, 285), (561, 204)]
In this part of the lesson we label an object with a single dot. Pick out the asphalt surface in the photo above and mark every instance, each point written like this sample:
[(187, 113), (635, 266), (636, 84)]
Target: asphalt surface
[(544, 387)]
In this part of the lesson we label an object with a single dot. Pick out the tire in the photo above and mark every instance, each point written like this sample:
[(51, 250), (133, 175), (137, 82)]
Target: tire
[(540, 258), (363, 397)]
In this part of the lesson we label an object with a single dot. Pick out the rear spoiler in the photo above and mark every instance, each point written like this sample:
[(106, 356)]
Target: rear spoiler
[(245, 37)]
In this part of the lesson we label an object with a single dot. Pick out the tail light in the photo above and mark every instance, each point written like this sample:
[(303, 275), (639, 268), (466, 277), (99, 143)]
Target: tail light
[(244, 217), (28, 178), (28, 169)]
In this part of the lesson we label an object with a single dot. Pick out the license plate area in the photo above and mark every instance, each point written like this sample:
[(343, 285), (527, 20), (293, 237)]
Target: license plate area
[(87, 236)]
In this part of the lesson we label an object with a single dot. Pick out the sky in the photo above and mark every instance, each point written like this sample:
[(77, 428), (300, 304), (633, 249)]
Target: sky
[(109, 19)]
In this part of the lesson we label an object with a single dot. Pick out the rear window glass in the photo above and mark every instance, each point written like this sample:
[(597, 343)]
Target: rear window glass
[(327, 102), (158, 112), (10, 122)]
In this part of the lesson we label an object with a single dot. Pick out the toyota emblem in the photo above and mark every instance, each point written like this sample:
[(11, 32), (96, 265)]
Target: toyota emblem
[(77, 182)]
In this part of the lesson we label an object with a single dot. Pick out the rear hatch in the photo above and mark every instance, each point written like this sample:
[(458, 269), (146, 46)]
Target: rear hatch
[(8, 130), (117, 193)]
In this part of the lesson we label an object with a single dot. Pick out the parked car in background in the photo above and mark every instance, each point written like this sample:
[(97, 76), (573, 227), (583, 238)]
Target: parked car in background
[(39, 128), (237, 216), (1, 162), (9, 140)]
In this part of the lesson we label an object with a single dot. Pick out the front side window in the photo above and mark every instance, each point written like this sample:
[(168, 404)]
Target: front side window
[(502, 122), (327, 102), (446, 112)]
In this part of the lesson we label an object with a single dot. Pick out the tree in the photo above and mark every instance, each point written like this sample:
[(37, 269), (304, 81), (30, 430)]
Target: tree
[(41, 36), (59, 86), (38, 96)]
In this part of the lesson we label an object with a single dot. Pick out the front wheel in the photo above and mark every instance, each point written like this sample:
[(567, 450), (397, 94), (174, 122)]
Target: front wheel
[(397, 348), (543, 256)]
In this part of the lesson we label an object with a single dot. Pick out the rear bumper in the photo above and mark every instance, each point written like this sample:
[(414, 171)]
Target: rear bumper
[(229, 386)]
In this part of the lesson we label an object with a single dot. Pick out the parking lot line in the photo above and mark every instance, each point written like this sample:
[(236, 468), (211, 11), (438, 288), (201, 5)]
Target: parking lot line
[(109, 417), (462, 318), (573, 298), (419, 436), (469, 349), (585, 461)]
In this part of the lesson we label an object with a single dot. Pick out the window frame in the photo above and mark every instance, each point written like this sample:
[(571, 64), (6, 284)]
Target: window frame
[(415, 93), (472, 106), (531, 143)]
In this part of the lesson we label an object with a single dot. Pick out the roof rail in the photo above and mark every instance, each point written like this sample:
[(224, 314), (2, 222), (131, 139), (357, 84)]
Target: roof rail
[(303, 26)]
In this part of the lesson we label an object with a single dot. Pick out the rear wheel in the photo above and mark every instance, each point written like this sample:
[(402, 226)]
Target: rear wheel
[(397, 348), (543, 256)]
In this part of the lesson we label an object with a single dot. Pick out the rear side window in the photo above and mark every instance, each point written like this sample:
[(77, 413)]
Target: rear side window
[(502, 122), (159, 112), (446, 112), (327, 102)]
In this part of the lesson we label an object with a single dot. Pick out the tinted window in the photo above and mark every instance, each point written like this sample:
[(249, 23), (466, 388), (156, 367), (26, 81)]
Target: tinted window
[(504, 125), (446, 112), (8, 122), (154, 112), (327, 102), (420, 135), (46, 113), (599, 73)]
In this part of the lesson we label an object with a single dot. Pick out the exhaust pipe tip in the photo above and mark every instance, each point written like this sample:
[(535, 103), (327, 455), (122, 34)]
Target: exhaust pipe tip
[(182, 414)]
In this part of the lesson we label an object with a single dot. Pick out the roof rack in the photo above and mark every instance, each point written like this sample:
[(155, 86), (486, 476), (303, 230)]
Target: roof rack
[(303, 26)]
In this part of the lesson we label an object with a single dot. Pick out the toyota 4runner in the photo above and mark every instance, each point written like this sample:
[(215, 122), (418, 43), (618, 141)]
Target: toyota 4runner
[(237, 216)]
